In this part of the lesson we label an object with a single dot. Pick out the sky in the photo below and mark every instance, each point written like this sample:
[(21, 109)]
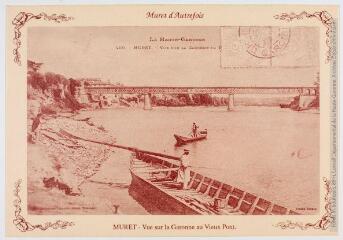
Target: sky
[(97, 52)]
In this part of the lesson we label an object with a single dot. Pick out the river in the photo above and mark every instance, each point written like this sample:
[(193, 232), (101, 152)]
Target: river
[(268, 151)]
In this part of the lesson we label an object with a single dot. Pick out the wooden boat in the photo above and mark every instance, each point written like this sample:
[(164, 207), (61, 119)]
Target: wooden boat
[(181, 140), (153, 186)]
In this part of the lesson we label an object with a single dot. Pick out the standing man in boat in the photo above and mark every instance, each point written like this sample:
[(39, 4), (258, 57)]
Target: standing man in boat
[(194, 130), (184, 172)]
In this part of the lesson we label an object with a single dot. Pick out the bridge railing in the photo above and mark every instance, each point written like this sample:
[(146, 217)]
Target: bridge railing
[(203, 90)]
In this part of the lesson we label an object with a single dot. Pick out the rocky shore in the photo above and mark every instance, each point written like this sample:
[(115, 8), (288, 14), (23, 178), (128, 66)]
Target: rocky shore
[(67, 175), (58, 164)]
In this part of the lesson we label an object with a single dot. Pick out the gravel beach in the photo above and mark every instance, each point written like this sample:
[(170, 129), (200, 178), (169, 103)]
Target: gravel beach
[(66, 175)]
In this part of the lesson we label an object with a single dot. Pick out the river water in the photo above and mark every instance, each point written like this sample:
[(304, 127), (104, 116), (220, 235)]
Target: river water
[(271, 152)]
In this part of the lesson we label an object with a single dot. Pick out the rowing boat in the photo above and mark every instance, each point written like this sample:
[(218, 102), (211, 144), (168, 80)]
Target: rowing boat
[(181, 140), (153, 186)]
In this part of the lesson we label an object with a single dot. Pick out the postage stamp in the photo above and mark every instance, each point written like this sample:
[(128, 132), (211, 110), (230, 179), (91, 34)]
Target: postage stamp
[(256, 46), (171, 120)]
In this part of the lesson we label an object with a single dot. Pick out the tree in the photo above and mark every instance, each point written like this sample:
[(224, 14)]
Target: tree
[(37, 81), (33, 66), (73, 84)]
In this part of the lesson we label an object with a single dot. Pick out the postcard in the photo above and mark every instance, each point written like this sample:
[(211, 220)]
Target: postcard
[(171, 120)]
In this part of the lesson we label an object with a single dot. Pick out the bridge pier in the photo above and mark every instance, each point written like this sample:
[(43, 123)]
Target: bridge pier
[(147, 101), (230, 102)]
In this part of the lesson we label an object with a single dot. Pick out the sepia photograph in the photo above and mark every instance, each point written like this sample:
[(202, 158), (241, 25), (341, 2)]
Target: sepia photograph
[(173, 120)]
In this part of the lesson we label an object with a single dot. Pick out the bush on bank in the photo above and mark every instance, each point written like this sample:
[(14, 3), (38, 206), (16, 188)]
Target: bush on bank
[(53, 91)]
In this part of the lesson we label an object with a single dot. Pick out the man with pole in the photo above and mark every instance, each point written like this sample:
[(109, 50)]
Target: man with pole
[(195, 130), (184, 173)]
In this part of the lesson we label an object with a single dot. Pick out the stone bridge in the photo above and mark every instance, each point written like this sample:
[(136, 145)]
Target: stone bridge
[(230, 91)]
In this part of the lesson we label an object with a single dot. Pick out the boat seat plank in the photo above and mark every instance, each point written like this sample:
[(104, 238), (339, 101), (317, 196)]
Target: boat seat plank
[(190, 194), (202, 192), (152, 170)]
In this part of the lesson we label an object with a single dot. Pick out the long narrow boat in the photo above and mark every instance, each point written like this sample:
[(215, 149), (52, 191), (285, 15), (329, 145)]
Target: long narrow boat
[(153, 186), (181, 140)]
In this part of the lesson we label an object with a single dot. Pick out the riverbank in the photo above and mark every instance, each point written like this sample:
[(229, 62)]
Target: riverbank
[(66, 175), (99, 177), (269, 151)]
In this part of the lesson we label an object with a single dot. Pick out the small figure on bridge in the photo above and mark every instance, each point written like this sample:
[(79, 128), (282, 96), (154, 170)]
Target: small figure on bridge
[(195, 130), (184, 173)]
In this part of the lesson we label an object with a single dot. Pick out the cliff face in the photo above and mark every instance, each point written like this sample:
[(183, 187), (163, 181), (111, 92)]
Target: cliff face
[(58, 164), (49, 93)]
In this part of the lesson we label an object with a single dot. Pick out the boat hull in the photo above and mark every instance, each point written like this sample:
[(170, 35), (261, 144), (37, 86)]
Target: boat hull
[(154, 188), (181, 140), (156, 201)]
